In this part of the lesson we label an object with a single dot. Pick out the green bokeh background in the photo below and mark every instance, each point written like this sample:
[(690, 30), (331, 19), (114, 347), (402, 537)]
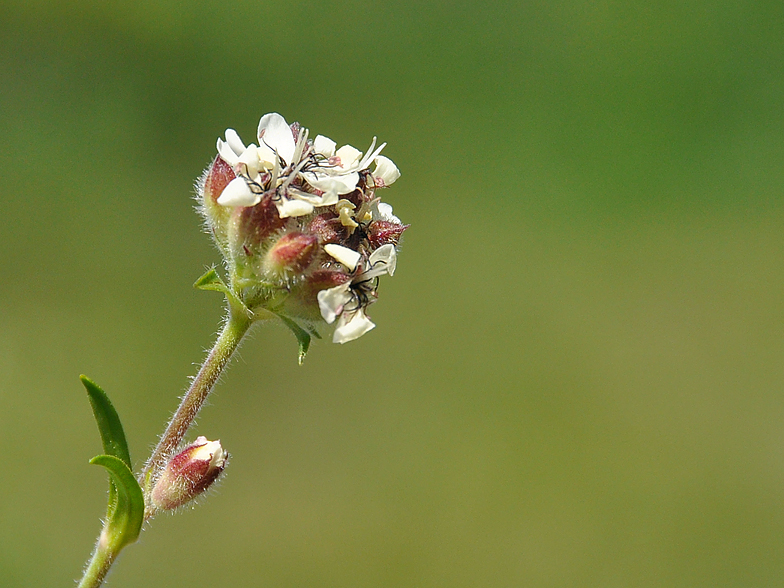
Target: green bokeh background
[(577, 378)]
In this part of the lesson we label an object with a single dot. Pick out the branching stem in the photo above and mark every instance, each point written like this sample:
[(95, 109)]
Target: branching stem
[(234, 330)]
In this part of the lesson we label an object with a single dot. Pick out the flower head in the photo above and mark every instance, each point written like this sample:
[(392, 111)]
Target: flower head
[(300, 224)]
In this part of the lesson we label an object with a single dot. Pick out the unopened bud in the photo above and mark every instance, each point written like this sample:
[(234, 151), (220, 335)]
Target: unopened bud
[(382, 232), (252, 226), (188, 474), (210, 186), (290, 255)]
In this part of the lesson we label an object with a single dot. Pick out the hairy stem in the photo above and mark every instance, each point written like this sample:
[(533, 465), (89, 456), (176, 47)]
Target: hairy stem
[(229, 339), (102, 559)]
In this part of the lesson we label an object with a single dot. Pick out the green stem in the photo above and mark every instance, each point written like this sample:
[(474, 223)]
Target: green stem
[(229, 339), (235, 328), (102, 559)]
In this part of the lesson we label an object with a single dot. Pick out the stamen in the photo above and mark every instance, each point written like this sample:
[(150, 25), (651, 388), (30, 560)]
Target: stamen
[(301, 142), (368, 159)]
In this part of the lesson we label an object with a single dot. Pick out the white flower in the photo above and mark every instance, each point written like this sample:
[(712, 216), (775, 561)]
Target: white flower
[(346, 303), (386, 172), (299, 175), (383, 211), (338, 174)]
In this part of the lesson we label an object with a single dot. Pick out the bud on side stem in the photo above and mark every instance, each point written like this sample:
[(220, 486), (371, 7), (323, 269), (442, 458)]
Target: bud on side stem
[(188, 474)]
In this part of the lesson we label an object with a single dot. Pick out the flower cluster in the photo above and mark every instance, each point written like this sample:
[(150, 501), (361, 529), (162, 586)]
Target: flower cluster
[(300, 225)]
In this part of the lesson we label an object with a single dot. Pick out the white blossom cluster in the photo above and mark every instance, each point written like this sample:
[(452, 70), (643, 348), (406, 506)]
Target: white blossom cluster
[(337, 233)]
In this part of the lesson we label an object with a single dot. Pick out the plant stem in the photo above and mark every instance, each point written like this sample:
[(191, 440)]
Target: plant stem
[(237, 324), (101, 561), (235, 328)]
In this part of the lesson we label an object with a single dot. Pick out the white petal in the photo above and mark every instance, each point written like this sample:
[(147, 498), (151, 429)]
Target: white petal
[(383, 211), (344, 255), (324, 146), (275, 132), (352, 328), (250, 158), (291, 208), (386, 170), (234, 141), (332, 301), (349, 156), (340, 184), (383, 260), (237, 193), (266, 156), (323, 200), (226, 153)]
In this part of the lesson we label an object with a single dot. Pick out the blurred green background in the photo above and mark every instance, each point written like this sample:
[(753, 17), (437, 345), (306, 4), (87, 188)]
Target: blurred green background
[(577, 378)]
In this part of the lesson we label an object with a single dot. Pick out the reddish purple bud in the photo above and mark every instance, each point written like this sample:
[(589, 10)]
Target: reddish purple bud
[(327, 227), (252, 225), (188, 474), (381, 232), (218, 177), (290, 255)]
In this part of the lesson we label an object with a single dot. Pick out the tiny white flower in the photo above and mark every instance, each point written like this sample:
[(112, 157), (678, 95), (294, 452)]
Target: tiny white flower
[(346, 303), (386, 172)]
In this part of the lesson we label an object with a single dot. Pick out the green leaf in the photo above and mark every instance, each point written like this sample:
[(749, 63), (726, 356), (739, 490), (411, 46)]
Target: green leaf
[(109, 425), (126, 513), (212, 281), (303, 337)]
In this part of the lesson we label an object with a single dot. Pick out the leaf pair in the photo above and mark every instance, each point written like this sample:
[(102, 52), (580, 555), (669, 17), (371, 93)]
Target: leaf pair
[(125, 511)]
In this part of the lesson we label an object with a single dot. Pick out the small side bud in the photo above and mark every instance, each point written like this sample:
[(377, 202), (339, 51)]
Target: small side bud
[(382, 232), (188, 474), (290, 255), (214, 180)]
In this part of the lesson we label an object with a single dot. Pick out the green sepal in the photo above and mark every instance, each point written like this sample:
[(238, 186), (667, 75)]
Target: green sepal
[(109, 425), (125, 514), (303, 337), (212, 281)]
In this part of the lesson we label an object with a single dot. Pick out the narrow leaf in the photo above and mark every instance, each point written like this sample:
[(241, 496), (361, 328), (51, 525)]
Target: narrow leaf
[(303, 337), (126, 515), (109, 425), (211, 281)]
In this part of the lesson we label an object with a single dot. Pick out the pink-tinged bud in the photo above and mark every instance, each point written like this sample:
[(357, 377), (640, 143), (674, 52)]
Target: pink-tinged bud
[(290, 255), (381, 232), (252, 225), (219, 174), (210, 186), (188, 474)]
